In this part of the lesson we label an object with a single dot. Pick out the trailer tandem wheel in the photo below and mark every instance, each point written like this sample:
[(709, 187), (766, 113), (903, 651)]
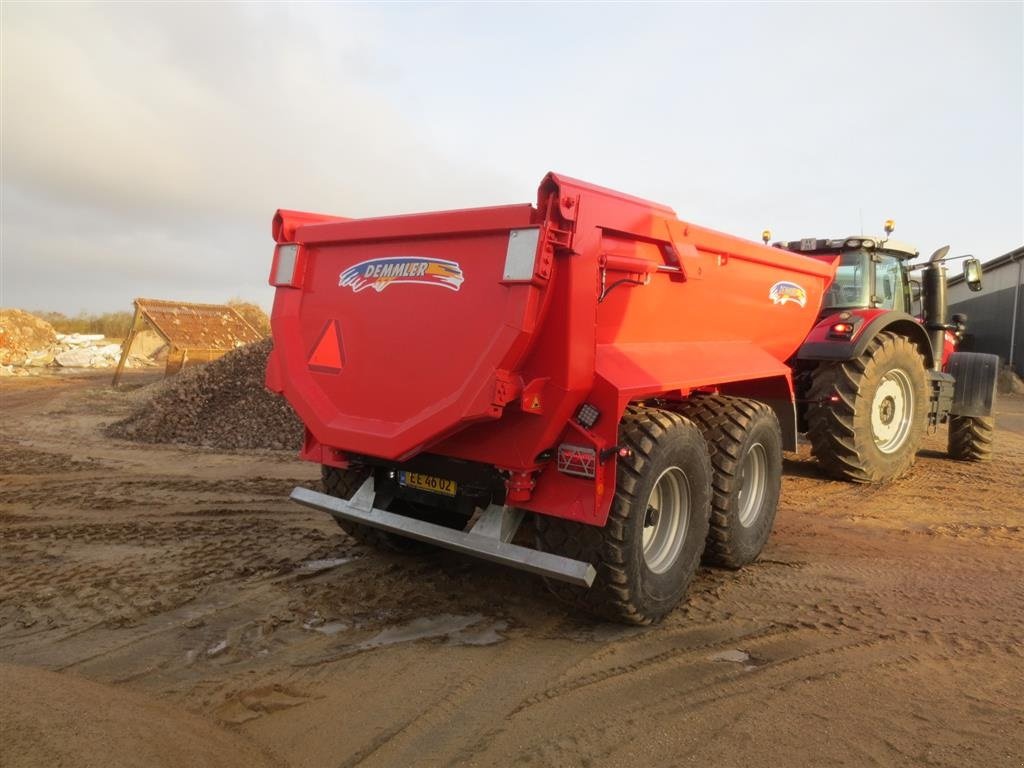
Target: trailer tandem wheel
[(648, 552), (868, 415), (745, 443)]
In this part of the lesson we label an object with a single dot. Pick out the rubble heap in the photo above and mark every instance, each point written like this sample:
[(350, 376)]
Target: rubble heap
[(223, 404), (23, 336), (28, 343)]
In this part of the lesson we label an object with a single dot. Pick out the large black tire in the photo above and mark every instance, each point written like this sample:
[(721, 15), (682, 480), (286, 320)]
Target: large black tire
[(970, 437), (639, 581), (871, 432), (745, 443), (345, 482)]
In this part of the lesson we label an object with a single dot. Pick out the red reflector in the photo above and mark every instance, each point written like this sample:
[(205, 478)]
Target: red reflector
[(327, 353), (577, 460)]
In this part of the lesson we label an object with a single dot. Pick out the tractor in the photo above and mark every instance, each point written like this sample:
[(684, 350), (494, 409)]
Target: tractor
[(880, 366)]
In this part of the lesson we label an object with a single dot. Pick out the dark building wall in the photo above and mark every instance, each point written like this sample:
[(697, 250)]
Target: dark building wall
[(989, 320)]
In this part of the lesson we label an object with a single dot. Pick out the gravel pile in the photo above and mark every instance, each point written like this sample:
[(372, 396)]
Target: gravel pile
[(220, 405)]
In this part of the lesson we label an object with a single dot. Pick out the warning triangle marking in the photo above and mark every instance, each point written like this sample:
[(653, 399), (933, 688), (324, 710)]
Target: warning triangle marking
[(327, 354)]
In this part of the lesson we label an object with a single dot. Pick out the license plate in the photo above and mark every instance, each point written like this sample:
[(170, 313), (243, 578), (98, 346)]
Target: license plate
[(428, 483)]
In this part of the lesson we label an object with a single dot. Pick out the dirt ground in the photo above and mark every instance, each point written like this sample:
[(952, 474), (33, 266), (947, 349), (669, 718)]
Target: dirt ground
[(161, 603)]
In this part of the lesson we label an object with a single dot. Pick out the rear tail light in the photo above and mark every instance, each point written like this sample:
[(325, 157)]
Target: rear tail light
[(577, 460), (285, 271)]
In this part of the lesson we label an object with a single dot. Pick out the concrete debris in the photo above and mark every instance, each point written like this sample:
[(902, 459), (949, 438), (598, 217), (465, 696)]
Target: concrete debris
[(28, 342), (79, 339), (222, 404), (90, 355)]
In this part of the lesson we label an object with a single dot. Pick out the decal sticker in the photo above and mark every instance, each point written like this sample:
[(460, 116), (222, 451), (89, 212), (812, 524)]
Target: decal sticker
[(784, 291), (380, 273)]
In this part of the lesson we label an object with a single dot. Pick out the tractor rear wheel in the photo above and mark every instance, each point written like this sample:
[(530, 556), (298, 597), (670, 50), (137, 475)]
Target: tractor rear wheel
[(342, 483), (868, 415), (745, 442), (648, 551), (970, 437)]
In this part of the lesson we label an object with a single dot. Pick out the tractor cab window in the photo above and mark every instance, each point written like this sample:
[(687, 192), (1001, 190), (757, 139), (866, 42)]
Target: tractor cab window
[(852, 286), (890, 284)]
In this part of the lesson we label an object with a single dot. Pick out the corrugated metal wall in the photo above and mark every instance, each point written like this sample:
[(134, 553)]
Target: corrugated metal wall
[(990, 314)]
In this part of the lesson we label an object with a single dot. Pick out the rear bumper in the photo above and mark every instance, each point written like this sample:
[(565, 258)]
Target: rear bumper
[(487, 539)]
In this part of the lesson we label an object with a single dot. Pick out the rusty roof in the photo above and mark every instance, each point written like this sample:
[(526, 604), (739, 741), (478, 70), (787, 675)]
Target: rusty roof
[(186, 325)]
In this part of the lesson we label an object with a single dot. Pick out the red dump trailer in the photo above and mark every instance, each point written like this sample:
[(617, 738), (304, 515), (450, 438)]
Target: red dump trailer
[(590, 364)]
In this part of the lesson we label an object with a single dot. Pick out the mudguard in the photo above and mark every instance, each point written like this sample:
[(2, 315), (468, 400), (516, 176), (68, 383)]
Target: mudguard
[(868, 324), (976, 377)]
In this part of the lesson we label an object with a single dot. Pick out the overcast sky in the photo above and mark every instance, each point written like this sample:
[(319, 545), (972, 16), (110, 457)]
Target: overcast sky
[(146, 146)]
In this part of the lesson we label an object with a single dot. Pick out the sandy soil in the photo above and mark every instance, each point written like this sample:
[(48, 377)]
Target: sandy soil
[(883, 626)]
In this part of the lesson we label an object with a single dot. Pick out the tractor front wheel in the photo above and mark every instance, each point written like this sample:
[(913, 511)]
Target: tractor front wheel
[(648, 551), (868, 415)]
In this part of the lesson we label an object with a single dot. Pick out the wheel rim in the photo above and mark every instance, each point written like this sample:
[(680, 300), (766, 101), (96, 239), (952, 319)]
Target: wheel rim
[(892, 411), (753, 484), (666, 520)]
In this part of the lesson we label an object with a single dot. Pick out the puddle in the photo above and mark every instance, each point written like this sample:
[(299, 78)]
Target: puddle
[(446, 625), (740, 657), (312, 567), (217, 649), (605, 633), (737, 656), (487, 635), (331, 627)]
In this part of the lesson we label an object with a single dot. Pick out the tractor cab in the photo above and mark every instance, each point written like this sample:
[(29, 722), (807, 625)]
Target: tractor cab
[(872, 272)]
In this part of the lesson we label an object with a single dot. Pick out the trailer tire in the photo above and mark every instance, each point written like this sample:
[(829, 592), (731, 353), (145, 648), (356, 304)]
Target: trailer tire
[(645, 556), (745, 443), (871, 431), (971, 437), (342, 483)]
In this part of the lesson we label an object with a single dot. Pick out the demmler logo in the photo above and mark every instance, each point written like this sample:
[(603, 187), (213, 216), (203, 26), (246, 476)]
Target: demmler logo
[(380, 273), (784, 291)]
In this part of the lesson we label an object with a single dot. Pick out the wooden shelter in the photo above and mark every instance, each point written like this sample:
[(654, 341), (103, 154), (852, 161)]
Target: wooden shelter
[(193, 332)]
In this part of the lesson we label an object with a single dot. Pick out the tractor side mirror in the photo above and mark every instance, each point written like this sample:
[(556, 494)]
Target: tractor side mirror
[(972, 274)]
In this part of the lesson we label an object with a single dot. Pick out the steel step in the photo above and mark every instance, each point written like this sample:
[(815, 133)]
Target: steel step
[(488, 539)]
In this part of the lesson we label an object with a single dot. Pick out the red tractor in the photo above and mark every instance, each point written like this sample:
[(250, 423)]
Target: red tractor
[(876, 370)]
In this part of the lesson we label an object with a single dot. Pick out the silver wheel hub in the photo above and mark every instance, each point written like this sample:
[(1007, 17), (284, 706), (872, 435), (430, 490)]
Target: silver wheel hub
[(753, 484), (892, 411), (666, 520)]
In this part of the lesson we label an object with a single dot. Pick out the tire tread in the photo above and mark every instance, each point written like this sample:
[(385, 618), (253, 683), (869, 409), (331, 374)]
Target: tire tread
[(613, 596), (832, 428), (971, 437)]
